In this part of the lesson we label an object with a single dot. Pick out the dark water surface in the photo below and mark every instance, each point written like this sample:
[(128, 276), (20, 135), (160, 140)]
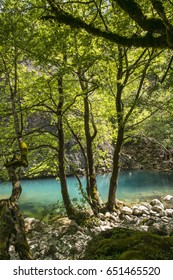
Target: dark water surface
[(134, 187)]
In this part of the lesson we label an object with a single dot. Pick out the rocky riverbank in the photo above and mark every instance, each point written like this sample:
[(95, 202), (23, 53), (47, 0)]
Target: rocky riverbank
[(64, 239)]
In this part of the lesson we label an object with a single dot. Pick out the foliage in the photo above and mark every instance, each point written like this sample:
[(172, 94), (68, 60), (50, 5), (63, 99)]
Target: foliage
[(146, 24), (128, 244)]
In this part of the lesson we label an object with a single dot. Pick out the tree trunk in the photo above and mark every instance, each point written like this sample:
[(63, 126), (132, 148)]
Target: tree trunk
[(120, 137), (12, 226), (64, 189), (115, 172), (92, 190), (91, 180), (61, 154)]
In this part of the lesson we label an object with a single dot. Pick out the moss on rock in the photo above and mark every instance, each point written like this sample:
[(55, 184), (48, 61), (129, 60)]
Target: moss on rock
[(127, 244)]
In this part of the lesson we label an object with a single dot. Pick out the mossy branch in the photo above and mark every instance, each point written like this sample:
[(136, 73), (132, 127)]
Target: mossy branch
[(148, 40)]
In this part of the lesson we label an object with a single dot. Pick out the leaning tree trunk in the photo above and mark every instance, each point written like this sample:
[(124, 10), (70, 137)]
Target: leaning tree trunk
[(12, 227)]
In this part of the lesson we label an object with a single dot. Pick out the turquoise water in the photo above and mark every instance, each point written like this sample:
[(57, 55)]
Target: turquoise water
[(134, 186)]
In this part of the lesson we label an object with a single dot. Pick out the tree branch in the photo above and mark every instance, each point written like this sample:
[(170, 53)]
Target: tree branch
[(133, 9), (147, 40)]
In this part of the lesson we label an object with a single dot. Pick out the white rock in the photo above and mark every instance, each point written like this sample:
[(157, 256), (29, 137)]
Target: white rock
[(169, 212), (64, 221), (146, 204), (157, 208), (33, 224), (115, 214), (144, 215), (126, 210), (137, 211), (157, 215), (165, 219), (34, 247), (96, 230), (112, 225), (101, 216), (153, 212), (144, 209), (107, 215), (157, 202), (168, 198), (144, 228), (103, 223), (103, 228), (114, 219), (128, 218), (30, 220)]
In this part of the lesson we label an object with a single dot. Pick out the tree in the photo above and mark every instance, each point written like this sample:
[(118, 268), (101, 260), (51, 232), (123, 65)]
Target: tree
[(149, 29), (12, 226), (88, 86), (126, 105)]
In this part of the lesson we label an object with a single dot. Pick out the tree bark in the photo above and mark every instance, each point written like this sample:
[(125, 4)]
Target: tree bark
[(115, 172), (92, 184), (12, 226), (120, 136), (92, 190), (61, 154)]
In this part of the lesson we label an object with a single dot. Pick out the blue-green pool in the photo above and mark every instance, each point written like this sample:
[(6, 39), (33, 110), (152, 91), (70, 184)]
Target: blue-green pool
[(134, 186)]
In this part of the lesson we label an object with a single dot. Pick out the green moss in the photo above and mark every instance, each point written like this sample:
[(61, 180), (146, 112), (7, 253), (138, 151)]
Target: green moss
[(125, 244)]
